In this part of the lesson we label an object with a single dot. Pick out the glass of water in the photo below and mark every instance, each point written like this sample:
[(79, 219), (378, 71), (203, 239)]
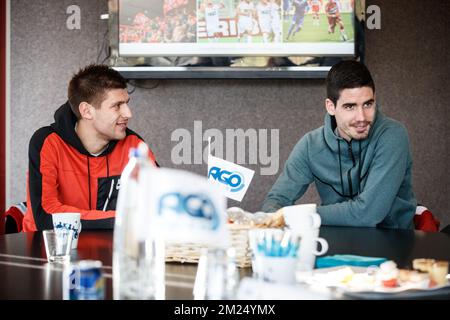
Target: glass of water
[(58, 243), (217, 276)]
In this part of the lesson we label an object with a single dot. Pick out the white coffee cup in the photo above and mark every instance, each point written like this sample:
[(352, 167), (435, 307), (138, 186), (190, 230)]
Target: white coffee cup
[(308, 249), (304, 220), (302, 217), (70, 221)]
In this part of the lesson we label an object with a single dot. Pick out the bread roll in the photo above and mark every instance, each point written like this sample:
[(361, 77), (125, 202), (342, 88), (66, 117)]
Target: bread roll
[(275, 220), (423, 265)]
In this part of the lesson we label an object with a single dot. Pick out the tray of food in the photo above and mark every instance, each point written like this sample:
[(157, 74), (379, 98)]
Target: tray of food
[(428, 278)]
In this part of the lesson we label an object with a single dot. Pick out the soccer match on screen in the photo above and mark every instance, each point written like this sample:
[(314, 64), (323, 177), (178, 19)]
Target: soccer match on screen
[(236, 21)]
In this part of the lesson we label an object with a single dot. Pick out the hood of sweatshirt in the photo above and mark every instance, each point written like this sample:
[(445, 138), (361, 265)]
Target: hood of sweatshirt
[(64, 126)]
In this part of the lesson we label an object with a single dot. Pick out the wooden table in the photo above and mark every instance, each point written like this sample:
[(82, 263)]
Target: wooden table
[(25, 273)]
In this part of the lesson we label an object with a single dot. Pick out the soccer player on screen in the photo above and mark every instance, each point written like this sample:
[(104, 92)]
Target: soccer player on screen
[(286, 8), (275, 20), (211, 12), (333, 12), (245, 13), (315, 7), (264, 13), (301, 7)]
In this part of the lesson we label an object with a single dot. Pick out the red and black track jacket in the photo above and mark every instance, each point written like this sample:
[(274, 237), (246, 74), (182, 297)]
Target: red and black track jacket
[(64, 177)]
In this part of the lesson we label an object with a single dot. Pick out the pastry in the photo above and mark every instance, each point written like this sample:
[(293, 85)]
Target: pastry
[(438, 273), (275, 220), (423, 265), (388, 274)]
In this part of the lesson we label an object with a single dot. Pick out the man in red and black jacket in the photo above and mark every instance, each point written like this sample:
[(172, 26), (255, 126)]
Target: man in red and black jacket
[(76, 162)]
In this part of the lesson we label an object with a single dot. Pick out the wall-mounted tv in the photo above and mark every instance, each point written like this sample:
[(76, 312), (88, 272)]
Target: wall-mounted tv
[(233, 38)]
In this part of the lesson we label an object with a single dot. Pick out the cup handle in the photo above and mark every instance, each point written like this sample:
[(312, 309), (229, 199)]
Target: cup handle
[(323, 245)]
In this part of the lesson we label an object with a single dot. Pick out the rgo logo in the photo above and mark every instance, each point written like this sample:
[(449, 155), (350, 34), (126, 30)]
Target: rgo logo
[(234, 180), (195, 205)]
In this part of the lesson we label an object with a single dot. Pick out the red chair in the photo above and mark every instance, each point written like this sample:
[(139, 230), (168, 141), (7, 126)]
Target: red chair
[(12, 219), (425, 221)]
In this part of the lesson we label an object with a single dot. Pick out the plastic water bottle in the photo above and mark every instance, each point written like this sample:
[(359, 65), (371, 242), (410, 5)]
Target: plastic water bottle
[(138, 256)]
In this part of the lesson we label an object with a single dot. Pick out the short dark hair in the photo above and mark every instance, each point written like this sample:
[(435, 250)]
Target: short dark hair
[(90, 85), (347, 74)]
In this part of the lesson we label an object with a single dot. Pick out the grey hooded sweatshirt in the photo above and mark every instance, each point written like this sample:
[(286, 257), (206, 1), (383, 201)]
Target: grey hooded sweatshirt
[(361, 183)]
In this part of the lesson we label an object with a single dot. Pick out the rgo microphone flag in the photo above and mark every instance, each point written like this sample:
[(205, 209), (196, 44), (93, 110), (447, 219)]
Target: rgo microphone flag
[(232, 179)]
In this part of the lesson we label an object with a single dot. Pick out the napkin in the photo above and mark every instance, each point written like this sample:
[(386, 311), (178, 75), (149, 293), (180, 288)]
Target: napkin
[(348, 260)]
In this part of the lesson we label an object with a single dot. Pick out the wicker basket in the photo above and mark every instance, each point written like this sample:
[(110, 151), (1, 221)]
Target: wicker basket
[(190, 252)]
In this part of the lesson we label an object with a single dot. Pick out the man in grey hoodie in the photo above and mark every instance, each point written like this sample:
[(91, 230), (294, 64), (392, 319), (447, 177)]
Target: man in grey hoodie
[(359, 160)]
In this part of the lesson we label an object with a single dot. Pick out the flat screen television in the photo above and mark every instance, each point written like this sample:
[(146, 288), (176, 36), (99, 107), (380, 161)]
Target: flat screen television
[(233, 38)]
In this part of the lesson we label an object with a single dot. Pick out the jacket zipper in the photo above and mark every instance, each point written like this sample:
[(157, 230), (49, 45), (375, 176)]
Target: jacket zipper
[(349, 176)]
